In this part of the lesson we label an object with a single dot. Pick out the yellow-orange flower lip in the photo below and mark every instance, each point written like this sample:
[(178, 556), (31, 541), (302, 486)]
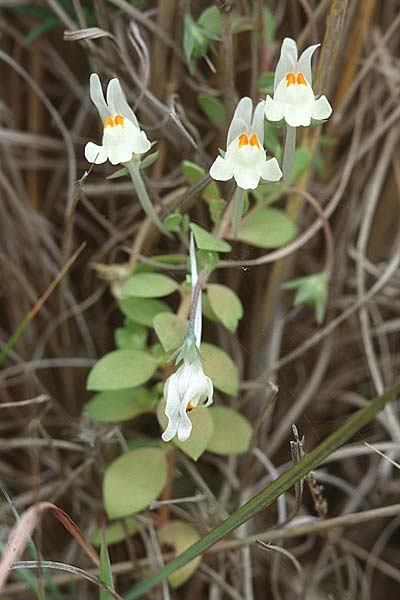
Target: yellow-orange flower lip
[(245, 140), (112, 121), (293, 78)]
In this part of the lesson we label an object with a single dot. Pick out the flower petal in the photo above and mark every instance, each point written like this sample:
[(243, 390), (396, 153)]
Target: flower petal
[(97, 96), (287, 60), (138, 139), (257, 124), (221, 169), (298, 115), (304, 62), (95, 154), (241, 119), (185, 425), (246, 178), (274, 110), (117, 102), (270, 170), (117, 144), (321, 109)]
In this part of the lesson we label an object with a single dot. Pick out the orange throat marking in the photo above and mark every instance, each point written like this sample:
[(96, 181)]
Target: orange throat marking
[(245, 140), (112, 121), (189, 407), (293, 78)]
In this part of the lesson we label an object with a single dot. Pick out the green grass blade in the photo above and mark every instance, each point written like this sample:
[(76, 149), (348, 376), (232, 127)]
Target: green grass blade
[(267, 496), (105, 571)]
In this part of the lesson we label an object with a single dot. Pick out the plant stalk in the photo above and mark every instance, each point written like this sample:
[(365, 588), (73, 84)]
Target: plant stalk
[(238, 199), (138, 183), (288, 154)]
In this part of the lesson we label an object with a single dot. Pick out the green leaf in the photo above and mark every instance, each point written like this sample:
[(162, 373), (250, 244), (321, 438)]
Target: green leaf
[(41, 28), (225, 304), (219, 366), (232, 432), (269, 25), (210, 20), (121, 369), (207, 309), (206, 241), (171, 330), (143, 310), (213, 108), (173, 222), (120, 405), (133, 336), (116, 532), (217, 207), (201, 433), (188, 37), (148, 160), (195, 173), (133, 481), (265, 83), (119, 173), (267, 228), (311, 291), (105, 572), (271, 493), (149, 285), (180, 535)]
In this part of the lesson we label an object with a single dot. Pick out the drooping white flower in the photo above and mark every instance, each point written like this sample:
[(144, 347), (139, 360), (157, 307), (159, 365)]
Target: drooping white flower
[(294, 99), (122, 136), (245, 157), (188, 387)]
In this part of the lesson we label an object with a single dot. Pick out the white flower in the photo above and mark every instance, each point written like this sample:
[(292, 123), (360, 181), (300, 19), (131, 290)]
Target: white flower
[(245, 158), (122, 135), (188, 386), (294, 99), (183, 391)]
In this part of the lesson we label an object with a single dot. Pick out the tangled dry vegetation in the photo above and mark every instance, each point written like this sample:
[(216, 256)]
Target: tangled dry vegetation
[(50, 211)]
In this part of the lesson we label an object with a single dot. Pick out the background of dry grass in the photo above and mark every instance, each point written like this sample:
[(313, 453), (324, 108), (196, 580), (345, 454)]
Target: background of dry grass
[(48, 450)]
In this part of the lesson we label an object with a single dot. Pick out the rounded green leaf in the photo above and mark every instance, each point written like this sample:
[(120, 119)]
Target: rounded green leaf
[(180, 535), (149, 285), (232, 432), (219, 366), (267, 228), (132, 336), (171, 330), (201, 432), (143, 310), (133, 481), (207, 241), (120, 405), (116, 532), (225, 304), (121, 369)]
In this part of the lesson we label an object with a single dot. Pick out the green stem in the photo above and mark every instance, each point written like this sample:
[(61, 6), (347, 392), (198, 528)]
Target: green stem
[(137, 180), (238, 199), (288, 154), (267, 496)]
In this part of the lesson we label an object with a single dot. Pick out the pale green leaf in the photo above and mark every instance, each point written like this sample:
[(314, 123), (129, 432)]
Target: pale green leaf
[(180, 535), (131, 336), (213, 108), (225, 304), (149, 285), (171, 330), (193, 174), (121, 369), (207, 241), (267, 228), (133, 481), (232, 432), (116, 532), (120, 405), (201, 433), (105, 571), (219, 366), (143, 310)]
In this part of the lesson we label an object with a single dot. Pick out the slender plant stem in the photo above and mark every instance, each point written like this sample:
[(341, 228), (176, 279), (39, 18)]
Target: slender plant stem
[(288, 154), (271, 493), (137, 180), (238, 199)]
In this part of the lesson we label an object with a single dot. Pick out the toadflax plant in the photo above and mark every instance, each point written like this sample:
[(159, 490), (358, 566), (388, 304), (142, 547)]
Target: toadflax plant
[(162, 313)]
